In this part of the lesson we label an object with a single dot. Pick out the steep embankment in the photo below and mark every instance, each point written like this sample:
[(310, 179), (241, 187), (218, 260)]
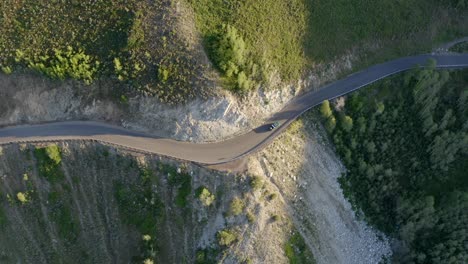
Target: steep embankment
[(77, 202)]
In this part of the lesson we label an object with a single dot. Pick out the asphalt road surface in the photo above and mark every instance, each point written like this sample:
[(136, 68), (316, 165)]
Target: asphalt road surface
[(231, 149)]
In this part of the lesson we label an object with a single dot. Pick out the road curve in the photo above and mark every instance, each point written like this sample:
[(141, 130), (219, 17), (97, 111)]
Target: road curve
[(231, 149)]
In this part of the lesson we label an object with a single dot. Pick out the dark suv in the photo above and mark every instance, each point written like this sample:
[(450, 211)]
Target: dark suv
[(274, 125)]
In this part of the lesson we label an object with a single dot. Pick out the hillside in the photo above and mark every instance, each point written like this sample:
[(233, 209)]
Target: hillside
[(79, 202), (404, 143)]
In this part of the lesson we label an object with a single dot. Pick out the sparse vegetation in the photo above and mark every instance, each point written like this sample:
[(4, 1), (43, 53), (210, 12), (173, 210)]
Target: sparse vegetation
[(275, 218), (236, 207), (227, 237), (256, 183), (205, 196), (62, 216), (182, 181), (3, 217), (250, 217), (247, 45), (22, 197), (49, 159), (126, 41), (307, 32), (296, 250), (460, 47)]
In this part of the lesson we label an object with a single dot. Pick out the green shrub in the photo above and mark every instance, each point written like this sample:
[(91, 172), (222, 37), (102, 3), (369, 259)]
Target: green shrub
[(62, 64), (232, 58), (49, 160), (237, 206), (256, 183), (205, 196), (7, 69), (346, 123), (250, 217), (273, 196), (325, 109), (23, 198), (3, 217), (53, 152), (226, 237), (330, 124), (275, 218), (297, 252)]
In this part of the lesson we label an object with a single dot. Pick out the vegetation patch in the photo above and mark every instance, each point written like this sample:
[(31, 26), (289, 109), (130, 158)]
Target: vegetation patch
[(236, 207), (227, 237), (61, 215), (48, 160), (297, 251), (460, 47), (256, 183), (183, 182), (3, 217), (207, 256), (130, 42), (406, 156), (205, 196), (249, 40), (141, 207)]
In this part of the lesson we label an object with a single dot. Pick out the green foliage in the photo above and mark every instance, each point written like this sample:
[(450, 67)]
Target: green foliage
[(205, 196), (206, 256), (7, 69), (252, 42), (256, 183), (3, 217), (87, 40), (237, 206), (49, 161), (296, 250), (183, 182), (330, 124), (139, 206), (325, 109), (227, 237), (62, 216), (405, 158), (250, 217), (336, 26), (22, 197), (460, 47), (232, 58), (62, 64), (275, 218), (346, 123), (53, 152), (163, 74)]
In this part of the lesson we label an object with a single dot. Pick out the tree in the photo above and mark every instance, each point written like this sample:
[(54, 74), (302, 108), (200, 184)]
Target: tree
[(237, 206), (226, 237), (325, 109), (347, 123), (205, 196), (22, 197), (53, 152), (380, 108), (330, 124)]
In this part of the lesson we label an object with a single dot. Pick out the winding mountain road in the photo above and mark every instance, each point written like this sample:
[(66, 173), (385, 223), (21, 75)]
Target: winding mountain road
[(231, 149)]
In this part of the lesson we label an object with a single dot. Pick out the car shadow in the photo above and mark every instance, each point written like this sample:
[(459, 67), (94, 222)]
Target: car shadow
[(263, 128)]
